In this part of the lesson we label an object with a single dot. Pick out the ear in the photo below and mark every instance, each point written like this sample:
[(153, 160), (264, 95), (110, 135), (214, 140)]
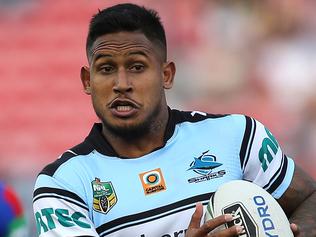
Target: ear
[(85, 79), (169, 70)]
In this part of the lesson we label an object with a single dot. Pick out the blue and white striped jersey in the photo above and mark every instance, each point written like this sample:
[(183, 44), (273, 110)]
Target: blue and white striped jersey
[(91, 191)]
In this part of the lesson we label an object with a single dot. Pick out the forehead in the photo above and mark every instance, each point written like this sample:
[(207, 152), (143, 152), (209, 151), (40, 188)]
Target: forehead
[(122, 43)]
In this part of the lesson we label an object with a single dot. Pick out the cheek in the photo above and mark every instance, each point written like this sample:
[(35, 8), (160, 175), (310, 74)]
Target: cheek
[(100, 87), (97, 104), (99, 94), (153, 92)]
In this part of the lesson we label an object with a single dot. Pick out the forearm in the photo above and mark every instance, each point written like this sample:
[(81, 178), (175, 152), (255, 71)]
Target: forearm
[(305, 216), (299, 203)]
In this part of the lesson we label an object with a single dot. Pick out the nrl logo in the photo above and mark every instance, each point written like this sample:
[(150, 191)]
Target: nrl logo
[(104, 196)]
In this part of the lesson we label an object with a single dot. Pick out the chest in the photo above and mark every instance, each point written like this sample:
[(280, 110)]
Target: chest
[(162, 184)]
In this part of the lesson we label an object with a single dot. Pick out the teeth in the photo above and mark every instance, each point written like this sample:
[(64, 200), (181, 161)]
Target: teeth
[(124, 108)]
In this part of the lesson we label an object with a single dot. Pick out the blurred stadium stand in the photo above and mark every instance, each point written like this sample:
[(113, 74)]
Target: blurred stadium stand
[(256, 58)]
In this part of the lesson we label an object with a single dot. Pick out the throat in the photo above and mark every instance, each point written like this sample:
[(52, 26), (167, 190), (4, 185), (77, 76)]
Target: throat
[(133, 144), (137, 148)]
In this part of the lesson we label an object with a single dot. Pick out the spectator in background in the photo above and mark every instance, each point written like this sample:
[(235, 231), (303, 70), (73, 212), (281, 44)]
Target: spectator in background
[(12, 221)]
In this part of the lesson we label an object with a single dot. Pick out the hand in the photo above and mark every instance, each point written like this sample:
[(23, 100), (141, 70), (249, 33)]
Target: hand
[(195, 230), (295, 229)]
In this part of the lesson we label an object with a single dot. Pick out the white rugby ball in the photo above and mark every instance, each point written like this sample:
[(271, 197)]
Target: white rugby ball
[(252, 207)]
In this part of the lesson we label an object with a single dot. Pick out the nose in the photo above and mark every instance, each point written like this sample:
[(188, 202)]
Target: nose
[(122, 83)]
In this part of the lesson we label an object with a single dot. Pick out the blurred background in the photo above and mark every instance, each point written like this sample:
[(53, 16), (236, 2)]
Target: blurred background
[(252, 57)]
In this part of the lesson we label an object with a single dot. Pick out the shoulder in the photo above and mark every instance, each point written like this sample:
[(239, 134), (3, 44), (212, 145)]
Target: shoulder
[(61, 178), (198, 116), (81, 149), (179, 116)]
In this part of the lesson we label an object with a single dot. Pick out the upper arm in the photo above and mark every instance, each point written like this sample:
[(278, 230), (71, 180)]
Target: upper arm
[(302, 186), (60, 211), (263, 161)]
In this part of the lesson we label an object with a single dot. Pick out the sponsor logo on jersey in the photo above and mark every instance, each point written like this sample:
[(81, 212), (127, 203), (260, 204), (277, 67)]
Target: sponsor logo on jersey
[(178, 233), (242, 218), (49, 219), (268, 150), (152, 181), (104, 196), (204, 165)]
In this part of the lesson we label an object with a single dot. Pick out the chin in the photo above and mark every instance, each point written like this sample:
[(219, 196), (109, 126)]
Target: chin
[(128, 131), (133, 128)]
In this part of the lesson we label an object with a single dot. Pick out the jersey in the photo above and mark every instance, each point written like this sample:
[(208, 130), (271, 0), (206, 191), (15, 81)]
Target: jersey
[(91, 191), (12, 221)]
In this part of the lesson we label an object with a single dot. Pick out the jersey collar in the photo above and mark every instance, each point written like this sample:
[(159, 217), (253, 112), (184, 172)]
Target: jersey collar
[(100, 143)]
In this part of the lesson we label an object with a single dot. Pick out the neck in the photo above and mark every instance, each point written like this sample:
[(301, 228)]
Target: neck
[(142, 145)]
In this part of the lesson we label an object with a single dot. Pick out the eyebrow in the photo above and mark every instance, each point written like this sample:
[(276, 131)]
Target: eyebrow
[(138, 52), (101, 55)]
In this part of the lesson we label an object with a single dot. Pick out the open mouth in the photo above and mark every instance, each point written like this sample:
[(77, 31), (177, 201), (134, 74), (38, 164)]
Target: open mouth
[(123, 108)]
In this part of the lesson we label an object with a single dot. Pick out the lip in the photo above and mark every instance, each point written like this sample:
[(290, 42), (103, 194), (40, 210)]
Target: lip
[(123, 108)]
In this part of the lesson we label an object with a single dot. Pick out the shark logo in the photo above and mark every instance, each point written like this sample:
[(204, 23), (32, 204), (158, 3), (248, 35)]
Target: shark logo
[(204, 164)]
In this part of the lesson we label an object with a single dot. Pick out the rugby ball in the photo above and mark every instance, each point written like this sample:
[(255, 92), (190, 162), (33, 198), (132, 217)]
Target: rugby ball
[(252, 208)]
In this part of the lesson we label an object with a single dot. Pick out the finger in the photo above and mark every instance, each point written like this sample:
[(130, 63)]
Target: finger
[(213, 223), (232, 231), (295, 229), (197, 216)]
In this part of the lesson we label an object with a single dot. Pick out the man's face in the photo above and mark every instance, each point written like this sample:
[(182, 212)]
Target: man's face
[(126, 81)]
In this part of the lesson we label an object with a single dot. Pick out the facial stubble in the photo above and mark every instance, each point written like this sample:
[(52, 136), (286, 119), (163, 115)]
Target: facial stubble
[(135, 131)]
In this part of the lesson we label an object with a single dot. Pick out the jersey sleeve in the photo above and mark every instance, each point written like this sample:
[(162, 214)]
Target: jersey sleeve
[(59, 210), (262, 159)]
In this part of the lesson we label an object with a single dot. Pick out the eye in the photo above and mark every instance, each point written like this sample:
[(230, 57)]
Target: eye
[(137, 67), (106, 69)]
